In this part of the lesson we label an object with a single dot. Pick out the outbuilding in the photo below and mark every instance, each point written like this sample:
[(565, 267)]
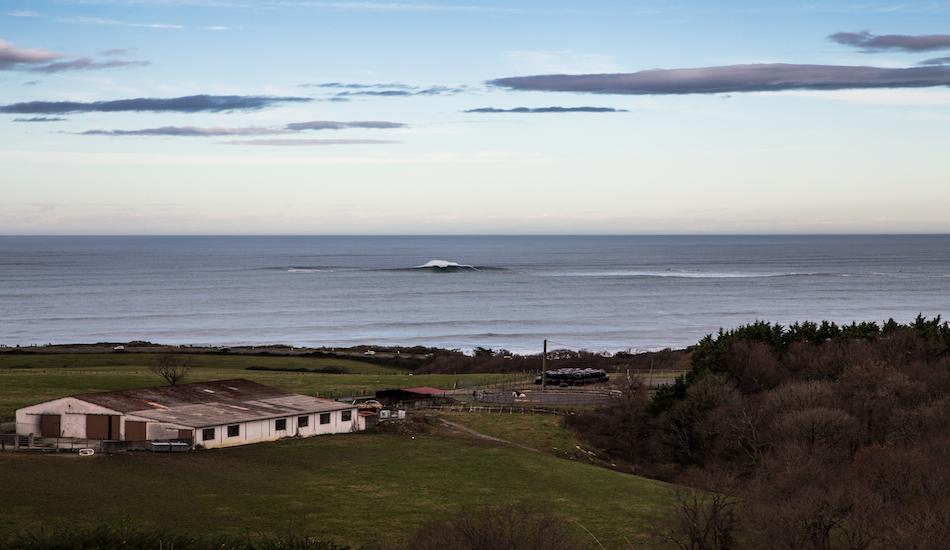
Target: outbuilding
[(413, 398), (221, 413)]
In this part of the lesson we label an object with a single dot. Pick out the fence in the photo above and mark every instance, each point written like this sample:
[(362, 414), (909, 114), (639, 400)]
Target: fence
[(548, 398), (500, 409)]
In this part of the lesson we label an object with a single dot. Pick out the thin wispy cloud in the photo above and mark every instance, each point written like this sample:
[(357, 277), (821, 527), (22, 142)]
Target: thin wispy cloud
[(548, 110), (870, 43), (196, 131), (187, 104), (733, 79), (23, 13), (96, 21), (394, 85), (117, 51), (40, 119), (309, 142), (188, 131), (333, 125), (85, 63), (388, 90)]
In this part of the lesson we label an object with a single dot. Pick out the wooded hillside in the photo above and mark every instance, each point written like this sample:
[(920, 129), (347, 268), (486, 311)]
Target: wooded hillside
[(811, 436)]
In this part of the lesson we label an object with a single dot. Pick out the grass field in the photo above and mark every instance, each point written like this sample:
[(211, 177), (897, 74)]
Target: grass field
[(364, 490), (360, 489), (27, 379)]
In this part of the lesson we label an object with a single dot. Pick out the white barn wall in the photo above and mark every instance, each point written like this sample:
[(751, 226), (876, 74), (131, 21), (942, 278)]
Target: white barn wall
[(72, 416), (265, 430)]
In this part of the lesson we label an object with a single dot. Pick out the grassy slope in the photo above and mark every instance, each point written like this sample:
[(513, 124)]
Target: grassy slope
[(537, 431), (27, 379), (356, 488)]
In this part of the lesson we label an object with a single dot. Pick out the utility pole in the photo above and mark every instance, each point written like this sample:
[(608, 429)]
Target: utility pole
[(544, 367)]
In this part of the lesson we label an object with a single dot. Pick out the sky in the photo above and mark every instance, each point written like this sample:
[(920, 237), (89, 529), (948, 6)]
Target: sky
[(473, 117)]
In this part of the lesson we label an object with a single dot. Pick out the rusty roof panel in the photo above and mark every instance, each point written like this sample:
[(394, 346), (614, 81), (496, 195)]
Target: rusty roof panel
[(204, 404), (165, 397)]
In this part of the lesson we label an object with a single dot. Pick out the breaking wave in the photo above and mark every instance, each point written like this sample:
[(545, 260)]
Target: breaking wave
[(444, 266)]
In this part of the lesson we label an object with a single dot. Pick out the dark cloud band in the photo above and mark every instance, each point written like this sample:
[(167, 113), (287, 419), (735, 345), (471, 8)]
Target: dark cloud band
[(896, 42), (188, 104), (734, 78), (548, 110)]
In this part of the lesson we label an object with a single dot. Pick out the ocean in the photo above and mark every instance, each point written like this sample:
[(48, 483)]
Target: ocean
[(600, 293)]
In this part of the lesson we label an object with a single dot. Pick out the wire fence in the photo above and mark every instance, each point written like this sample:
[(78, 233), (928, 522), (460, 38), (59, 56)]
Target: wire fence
[(500, 409)]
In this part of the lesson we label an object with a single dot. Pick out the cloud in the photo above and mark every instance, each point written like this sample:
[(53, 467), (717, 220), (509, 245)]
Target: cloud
[(23, 14), (867, 42), (12, 57), (332, 125), (434, 90), (195, 131), (40, 119), (936, 61), (310, 142), (187, 104), (357, 86), (94, 21), (734, 78), (388, 90), (37, 60), (189, 131), (118, 51), (548, 110), (86, 64)]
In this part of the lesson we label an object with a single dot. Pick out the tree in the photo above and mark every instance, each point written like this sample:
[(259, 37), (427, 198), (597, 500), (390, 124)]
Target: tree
[(172, 367)]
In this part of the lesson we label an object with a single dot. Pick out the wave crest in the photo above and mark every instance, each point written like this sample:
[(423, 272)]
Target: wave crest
[(445, 265)]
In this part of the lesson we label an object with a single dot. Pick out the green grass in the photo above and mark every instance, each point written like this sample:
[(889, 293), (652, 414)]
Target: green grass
[(27, 379), (358, 489), (537, 431)]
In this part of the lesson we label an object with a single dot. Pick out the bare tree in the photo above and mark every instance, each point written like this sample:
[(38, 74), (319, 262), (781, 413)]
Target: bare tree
[(172, 367)]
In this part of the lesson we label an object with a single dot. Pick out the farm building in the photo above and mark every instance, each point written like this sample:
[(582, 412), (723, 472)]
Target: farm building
[(413, 398), (222, 413)]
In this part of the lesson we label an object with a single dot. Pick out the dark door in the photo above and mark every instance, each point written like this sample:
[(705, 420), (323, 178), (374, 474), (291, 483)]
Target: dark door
[(101, 426), (135, 431), (97, 426), (50, 426)]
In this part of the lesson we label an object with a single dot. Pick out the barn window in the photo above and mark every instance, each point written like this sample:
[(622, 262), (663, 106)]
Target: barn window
[(324, 418), (234, 431), (303, 421), (280, 424), (347, 416), (207, 433)]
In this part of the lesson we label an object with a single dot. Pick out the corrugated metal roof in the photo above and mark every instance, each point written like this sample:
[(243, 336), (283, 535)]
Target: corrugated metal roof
[(211, 403), (164, 397)]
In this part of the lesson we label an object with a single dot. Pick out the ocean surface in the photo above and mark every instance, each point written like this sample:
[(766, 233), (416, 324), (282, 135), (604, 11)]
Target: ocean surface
[(601, 293)]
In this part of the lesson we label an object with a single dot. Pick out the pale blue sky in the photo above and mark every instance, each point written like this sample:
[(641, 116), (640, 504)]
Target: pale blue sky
[(337, 117)]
